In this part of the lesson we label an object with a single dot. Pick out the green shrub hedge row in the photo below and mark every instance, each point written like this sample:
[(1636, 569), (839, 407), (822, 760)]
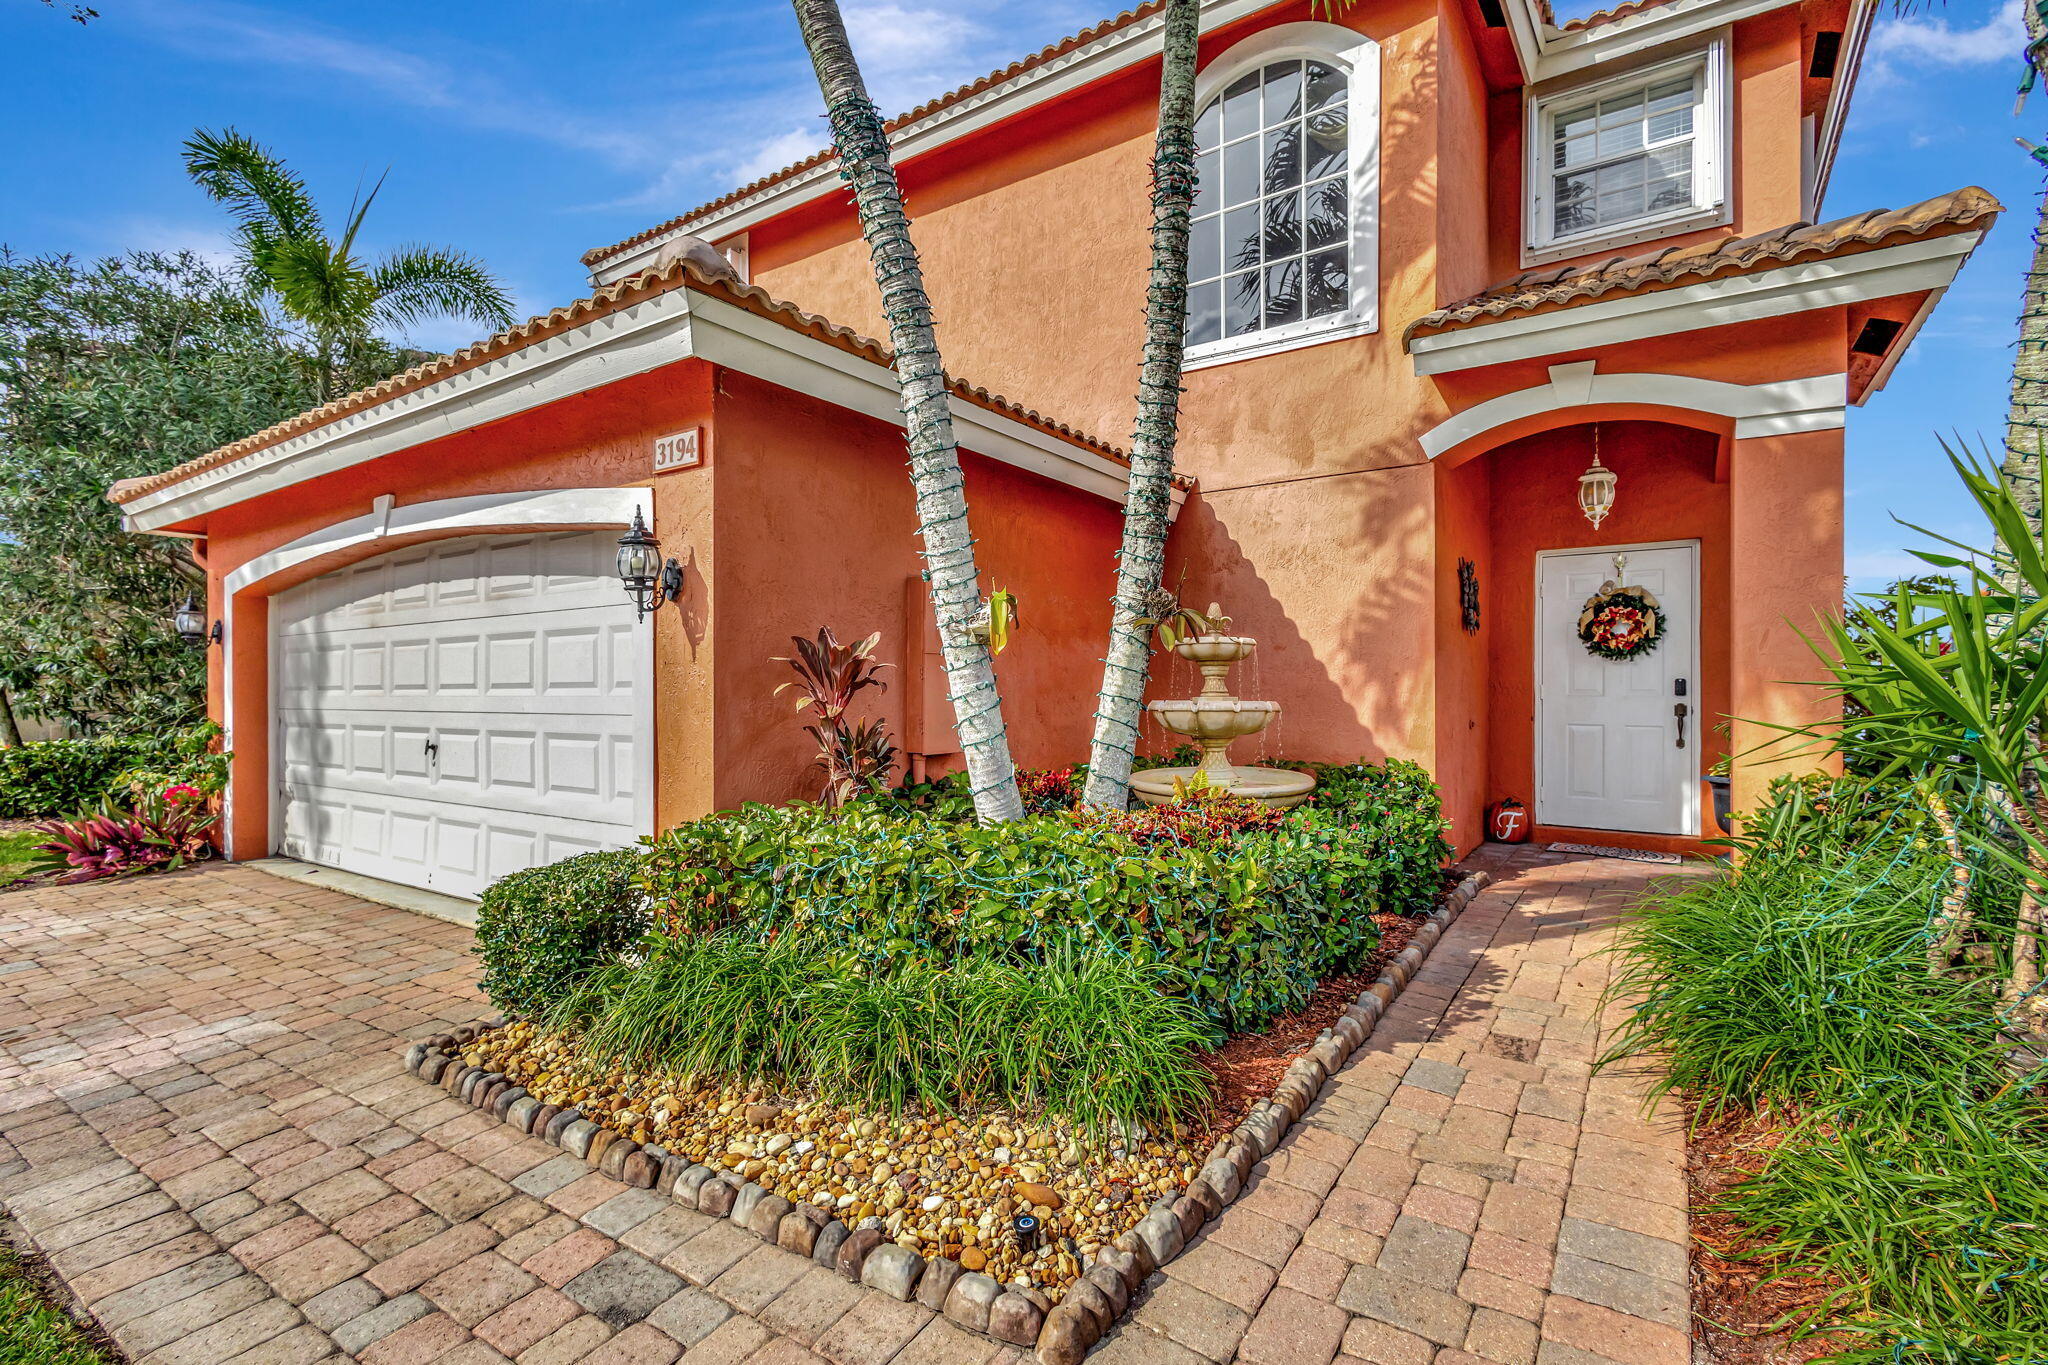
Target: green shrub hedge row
[(61, 777), (1246, 926)]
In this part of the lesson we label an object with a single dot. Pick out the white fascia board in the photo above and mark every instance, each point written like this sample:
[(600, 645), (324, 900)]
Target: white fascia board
[(1560, 52), (1113, 52), (679, 324), (1927, 264), (1862, 16), (734, 337), (644, 336)]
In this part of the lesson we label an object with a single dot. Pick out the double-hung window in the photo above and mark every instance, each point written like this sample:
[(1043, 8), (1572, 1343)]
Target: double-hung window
[(1281, 245), (1628, 159)]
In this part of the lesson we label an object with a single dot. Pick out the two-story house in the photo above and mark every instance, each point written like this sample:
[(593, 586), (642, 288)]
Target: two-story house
[(1448, 254)]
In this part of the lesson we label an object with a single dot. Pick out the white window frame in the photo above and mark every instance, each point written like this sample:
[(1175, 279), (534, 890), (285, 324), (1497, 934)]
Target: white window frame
[(1358, 57), (1712, 145)]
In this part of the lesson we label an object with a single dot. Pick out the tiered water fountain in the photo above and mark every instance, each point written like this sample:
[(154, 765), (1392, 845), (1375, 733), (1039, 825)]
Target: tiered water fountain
[(1213, 720)]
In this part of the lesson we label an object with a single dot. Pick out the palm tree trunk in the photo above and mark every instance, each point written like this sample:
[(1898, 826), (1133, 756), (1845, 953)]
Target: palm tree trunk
[(864, 160), (2026, 423), (1149, 495)]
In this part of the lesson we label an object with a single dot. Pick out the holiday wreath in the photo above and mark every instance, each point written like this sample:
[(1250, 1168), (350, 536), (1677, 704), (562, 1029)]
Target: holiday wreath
[(1621, 623)]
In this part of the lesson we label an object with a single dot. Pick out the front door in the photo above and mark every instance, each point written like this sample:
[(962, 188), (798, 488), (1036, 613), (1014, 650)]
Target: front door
[(1614, 750)]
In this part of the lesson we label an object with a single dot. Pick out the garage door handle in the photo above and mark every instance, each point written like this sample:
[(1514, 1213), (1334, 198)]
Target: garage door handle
[(433, 750)]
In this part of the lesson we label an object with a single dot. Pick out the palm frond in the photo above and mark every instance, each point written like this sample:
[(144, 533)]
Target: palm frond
[(321, 287), (267, 198), (419, 282)]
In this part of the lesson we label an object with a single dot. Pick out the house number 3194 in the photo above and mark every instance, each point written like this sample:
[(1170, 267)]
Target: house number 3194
[(677, 451)]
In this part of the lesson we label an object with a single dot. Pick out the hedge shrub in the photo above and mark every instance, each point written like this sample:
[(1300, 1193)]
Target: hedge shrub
[(63, 777), (1246, 926), (541, 932)]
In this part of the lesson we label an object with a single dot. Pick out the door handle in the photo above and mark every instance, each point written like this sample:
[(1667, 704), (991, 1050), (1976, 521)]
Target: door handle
[(433, 750), (1681, 710)]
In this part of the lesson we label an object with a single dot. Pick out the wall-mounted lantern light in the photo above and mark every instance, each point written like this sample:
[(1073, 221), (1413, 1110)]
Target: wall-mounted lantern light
[(649, 580), (190, 623), (1596, 486)]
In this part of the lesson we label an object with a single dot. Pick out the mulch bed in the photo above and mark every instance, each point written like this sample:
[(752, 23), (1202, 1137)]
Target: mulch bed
[(1746, 1310), (1250, 1065)]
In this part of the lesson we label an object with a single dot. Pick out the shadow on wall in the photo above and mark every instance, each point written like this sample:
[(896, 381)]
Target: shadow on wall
[(1333, 578)]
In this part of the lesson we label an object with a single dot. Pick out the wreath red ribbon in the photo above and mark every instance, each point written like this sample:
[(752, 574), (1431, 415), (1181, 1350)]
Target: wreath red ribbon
[(1621, 623)]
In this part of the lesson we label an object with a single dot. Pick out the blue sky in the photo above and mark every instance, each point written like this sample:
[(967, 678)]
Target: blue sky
[(530, 132)]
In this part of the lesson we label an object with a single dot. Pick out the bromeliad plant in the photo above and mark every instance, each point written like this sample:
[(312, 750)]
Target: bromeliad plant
[(161, 832), (829, 675)]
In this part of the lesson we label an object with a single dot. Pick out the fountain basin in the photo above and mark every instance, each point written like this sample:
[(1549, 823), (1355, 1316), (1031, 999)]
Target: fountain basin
[(1202, 718), (1280, 788), (1215, 649)]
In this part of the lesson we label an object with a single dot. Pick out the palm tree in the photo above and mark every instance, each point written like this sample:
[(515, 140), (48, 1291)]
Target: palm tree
[(321, 282), (2026, 421), (863, 147), (1148, 497)]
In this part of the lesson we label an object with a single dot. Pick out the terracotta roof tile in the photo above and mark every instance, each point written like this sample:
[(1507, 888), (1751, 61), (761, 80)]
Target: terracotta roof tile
[(1553, 287), (610, 299), (1605, 16), (818, 158)]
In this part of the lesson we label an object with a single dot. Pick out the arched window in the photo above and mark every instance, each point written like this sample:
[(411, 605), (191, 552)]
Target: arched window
[(1281, 248)]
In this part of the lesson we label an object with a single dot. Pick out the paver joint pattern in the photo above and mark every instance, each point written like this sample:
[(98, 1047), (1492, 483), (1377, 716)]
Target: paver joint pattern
[(206, 1125)]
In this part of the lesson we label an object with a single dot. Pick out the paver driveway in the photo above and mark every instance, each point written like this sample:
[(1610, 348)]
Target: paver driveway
[(204, 1122)]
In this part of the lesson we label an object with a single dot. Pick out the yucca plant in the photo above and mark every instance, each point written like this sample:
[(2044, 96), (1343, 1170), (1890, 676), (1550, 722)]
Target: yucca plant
[(1953, 677)]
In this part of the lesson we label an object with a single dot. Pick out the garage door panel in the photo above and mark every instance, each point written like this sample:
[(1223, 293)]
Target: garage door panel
[(460, 710)]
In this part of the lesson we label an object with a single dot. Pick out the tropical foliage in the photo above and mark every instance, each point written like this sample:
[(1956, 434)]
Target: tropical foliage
[(60, 777), (1242, 915), (855, 758), (109, 371), (1907, 1168), (323, 283), (154, 832), (1948, 686), (864, 161)]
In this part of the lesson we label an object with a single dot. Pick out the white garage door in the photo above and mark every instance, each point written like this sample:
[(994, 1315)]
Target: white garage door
[(462, 709)]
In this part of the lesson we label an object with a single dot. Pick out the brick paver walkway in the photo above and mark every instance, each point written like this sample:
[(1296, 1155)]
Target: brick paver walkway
[(205, 1124)]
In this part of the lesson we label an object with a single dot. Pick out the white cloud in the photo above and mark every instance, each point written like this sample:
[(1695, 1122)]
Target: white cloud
[(1921, 40), (780, 151)]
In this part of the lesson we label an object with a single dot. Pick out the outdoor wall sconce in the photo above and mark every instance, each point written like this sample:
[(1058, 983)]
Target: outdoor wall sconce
[(190, 623), (649, 581), (1596, 486)]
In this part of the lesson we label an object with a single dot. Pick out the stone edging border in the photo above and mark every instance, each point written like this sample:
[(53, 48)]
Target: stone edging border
[(1061, 1334)]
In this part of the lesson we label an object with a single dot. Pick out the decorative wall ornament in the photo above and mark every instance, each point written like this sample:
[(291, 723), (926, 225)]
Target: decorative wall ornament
[(1596, 486), (1468, 595), (1621, 622)]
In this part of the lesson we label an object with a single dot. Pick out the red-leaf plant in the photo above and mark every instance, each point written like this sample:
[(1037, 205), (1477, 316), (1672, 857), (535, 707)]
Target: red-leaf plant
[(855, 758), (161, 832)]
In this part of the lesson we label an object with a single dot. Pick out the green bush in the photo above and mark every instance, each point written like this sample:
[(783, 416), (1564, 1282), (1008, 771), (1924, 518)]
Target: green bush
[(64, 777), (542, 931), (1911, 1168), (1246, 926), (1091, 1039)]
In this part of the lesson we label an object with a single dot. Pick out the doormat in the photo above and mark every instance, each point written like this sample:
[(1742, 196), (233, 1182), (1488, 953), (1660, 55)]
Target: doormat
[(1634, 855)]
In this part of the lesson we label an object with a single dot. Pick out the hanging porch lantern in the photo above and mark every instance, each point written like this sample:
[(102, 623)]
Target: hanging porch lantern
[(649, 581), (190, 623), (1596, 486)]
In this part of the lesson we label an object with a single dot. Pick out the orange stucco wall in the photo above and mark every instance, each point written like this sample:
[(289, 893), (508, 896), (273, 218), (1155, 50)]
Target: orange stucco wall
[(817, 525), (800, 515), (1667, 492), (1319, 524)]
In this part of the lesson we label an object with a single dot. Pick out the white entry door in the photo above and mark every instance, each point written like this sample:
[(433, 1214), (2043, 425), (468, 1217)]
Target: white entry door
[(459, 710), (1612, 751)]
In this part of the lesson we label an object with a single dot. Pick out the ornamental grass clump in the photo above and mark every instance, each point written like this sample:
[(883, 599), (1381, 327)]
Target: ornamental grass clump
[(1795, 992), (1091, 1039)]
